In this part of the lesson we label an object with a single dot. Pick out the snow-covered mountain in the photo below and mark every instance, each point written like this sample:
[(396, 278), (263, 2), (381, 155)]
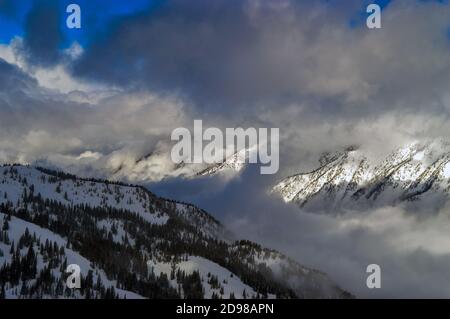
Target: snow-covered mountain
[(129, 243), (349, 178), (232, 164), (157, 166)]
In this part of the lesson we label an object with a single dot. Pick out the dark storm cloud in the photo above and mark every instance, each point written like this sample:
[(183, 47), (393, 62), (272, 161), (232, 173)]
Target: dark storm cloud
[(43, 34), (182, 46), (29, 113), (244, 55), (221, 54), (12, 79)]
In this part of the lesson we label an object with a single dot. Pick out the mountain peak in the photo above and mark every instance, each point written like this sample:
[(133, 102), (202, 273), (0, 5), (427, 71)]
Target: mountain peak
[(409, 173)]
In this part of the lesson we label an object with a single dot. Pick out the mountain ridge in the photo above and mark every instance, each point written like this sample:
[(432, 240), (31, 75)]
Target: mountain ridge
[(134, 243), (350, 177)]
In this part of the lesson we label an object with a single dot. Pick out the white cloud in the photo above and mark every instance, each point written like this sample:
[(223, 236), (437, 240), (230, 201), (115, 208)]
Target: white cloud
[(55, 77)]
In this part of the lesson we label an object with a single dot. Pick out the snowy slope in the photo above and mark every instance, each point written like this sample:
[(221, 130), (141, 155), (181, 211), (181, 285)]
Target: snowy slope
[(305, 282), (16, 181), (232, 164), (227, 283), (76, 192), (18, 227)]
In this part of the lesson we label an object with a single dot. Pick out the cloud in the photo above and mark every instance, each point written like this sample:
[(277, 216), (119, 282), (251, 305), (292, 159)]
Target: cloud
[(49, 117), (299, 66), (234, 57), (43, 34)]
